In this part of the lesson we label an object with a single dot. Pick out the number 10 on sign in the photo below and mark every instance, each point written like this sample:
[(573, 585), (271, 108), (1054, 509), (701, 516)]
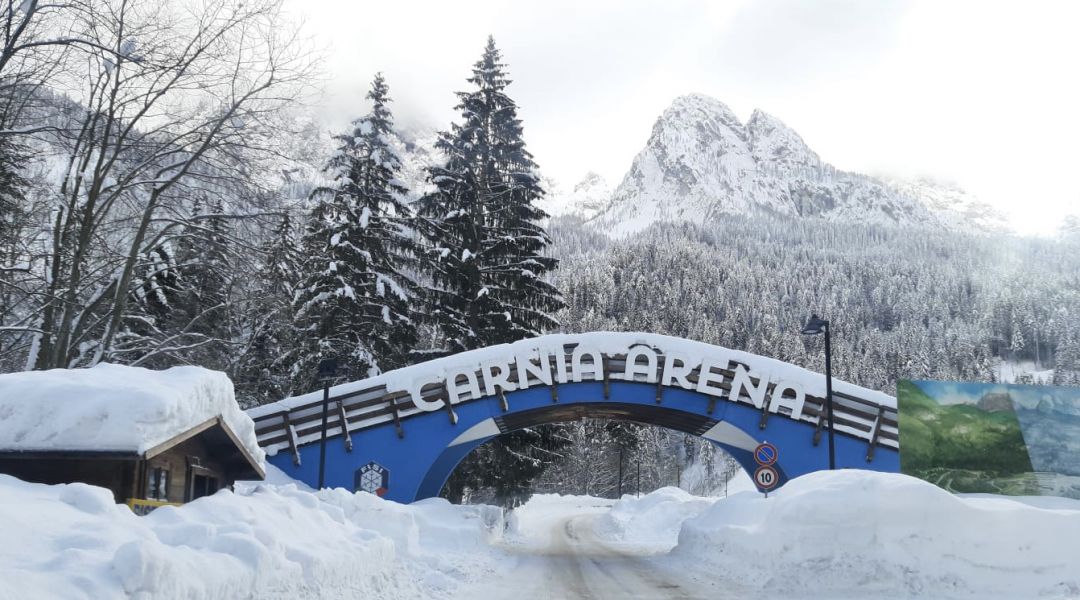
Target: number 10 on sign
[(766, 478)]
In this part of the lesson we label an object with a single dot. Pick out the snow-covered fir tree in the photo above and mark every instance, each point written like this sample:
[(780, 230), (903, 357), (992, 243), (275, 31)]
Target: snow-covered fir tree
[(482, 221), (358, 302), (207, 272), (486, 251), (261, 375)]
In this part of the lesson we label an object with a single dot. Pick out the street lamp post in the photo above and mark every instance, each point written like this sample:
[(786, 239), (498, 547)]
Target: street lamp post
[(816, 326), (326, 374)]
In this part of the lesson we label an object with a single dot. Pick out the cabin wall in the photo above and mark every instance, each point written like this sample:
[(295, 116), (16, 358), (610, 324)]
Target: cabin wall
[(117, 476), (183, 462)]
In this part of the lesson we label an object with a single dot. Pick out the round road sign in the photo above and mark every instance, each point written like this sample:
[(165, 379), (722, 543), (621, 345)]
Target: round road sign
[(766, 477), (766, 454)]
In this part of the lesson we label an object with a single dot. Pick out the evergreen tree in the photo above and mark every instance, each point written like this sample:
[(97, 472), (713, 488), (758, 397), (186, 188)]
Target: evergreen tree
[(262, 376), (181, 296), (358, 301), (486, 250), (12, 196), (486, 242), (202, 312)]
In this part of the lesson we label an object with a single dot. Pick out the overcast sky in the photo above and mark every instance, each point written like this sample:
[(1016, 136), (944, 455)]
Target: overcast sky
[(984, 94)]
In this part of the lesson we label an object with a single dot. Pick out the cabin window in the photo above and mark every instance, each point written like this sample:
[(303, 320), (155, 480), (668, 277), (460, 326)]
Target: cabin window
[(203, 485), (157, 485)]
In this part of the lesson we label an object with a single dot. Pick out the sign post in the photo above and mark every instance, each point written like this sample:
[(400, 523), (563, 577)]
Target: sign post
[(327, 372), (765, 476)]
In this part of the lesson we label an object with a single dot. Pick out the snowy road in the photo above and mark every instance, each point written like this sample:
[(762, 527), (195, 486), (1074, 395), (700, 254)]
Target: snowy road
[(574, 564)]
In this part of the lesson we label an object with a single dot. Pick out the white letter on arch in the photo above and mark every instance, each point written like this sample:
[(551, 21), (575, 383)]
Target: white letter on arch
[(706, 376), (742, 383), (472, 386), (633, 368), (541, 371), (495, 381), (677, 374), (795, 404), (414, 388), (578, 369)]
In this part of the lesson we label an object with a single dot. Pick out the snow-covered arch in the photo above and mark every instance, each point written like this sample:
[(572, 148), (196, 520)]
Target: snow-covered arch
[(406, 430)]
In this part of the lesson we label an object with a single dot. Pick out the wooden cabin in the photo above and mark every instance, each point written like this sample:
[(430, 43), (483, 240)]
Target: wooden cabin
[(191, 464)]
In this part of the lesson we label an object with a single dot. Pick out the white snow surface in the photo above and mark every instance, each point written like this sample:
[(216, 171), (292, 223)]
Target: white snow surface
[(115, 408), (854, 534), (72, 541), (842, 534)]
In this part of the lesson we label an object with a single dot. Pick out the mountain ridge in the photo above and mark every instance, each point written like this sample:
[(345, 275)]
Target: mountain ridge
[(702, 162)]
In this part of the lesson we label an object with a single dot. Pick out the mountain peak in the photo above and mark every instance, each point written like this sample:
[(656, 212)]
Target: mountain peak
[(591, 180), (700, 162), (699, 108), (773, 142)]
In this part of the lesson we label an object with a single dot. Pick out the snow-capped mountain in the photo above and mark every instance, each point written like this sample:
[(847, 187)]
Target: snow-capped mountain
[(701, 162), (955, 207), (591, 195)]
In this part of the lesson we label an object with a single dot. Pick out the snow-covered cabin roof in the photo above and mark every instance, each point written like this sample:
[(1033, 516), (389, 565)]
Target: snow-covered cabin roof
[(115, 408)]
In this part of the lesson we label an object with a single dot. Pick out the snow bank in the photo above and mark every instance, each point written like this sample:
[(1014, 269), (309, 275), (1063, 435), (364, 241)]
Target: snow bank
[(538, 522), (72, 541), (650, 522), (115, 408), (884, 535)]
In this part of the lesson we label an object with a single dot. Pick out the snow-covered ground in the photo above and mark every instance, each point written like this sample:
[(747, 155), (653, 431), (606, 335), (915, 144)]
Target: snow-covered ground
[(1010, 371), (72, 541), (844, 534)]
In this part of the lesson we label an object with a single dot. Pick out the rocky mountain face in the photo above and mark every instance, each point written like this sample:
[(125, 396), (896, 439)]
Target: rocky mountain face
[(954, 207), (585, 200), (701, 162)]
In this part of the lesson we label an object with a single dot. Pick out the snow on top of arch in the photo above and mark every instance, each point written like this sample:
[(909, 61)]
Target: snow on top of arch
[(603, 341)]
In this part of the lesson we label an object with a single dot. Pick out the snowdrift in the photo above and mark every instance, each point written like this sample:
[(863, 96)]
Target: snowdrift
[(72, 541), (650, 522), (115, 408), (885, 535)]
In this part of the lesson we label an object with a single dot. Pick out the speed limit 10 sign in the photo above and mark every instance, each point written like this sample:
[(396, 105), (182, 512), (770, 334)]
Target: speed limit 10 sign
[(766, 477)]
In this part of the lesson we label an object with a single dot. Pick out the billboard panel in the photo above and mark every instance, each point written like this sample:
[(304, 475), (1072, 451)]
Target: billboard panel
[(993, 438)]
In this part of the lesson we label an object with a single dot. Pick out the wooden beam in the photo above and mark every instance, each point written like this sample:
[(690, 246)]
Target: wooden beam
[(289, 429), (344, 425), (450, 411), (607, 382), (397, 419), (181, 437), (821, 419), (875, 431), (765, 408)]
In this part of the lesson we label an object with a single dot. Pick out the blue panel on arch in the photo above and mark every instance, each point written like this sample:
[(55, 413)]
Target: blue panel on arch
[(420, 463)]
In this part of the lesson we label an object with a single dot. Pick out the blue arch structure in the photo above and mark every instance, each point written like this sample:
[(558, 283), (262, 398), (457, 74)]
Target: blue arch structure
[(409, 454)]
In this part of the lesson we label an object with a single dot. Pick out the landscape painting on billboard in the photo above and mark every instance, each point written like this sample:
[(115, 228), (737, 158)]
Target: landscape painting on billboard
[(991, 438)]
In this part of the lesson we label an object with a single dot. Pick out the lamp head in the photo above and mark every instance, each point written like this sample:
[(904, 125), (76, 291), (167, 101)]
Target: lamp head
[(816, 325), (327, 369)]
